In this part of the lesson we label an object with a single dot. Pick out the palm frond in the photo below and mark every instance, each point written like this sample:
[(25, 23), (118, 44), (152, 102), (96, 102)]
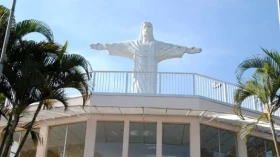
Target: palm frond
[(249, 63), (48, 104), (246, 129), (273, 59), (33, 26), (36, 138), (58, 95), (4, 15), (76, 81), (71, 61), (62, 51)]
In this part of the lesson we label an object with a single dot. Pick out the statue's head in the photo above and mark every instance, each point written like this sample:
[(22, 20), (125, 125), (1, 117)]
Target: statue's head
[(146, 31)]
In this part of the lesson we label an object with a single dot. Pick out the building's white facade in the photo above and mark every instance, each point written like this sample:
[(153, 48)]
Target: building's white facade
[(189, 116)]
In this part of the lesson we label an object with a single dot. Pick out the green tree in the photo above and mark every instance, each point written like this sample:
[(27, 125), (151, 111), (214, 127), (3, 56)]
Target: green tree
[(36, 72), (18, 31), (264, 84)]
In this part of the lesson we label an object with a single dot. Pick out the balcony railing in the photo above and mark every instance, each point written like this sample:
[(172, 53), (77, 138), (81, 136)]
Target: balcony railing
[(172, 84)]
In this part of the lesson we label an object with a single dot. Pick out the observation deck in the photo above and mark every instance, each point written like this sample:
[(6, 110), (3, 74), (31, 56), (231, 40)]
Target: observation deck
[(170, 84)]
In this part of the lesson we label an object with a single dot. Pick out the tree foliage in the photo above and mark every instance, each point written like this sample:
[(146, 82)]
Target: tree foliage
[(36, 72), (264, 85)]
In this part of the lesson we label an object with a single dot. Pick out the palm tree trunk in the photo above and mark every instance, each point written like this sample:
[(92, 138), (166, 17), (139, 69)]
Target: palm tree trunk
[(28, 129), (273, 135), (9, 141), (5, 135)]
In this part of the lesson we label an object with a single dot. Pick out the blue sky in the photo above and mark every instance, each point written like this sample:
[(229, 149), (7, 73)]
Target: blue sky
[(228, 31)]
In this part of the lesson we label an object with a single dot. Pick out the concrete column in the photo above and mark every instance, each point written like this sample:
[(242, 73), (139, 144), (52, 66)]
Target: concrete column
[(90, 137), (125, 139), (44, 133), (195, 139), (241, 148), (159, 139)]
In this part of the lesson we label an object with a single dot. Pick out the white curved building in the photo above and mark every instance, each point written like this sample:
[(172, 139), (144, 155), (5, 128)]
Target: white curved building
[(189, 116)]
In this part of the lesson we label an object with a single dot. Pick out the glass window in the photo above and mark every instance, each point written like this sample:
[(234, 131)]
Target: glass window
[(270, 150), (109, 139), (216, 142), (260, 147), (29, 148), (227, 143), (142, 139), (56, 141), (176, 140), (66, 140)]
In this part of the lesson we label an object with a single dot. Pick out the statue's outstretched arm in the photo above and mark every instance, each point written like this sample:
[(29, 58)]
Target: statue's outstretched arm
[(192, 50), (122, 49), (167, 51), (98, 46)]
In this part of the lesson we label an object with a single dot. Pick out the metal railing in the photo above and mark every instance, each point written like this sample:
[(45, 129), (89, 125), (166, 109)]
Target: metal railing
[(167, 83)]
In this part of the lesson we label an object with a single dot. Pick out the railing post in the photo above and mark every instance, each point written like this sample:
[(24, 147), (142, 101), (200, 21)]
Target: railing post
[(194, 85), (225, 92), (109, 81), (126, 82), (254, 103), (93, 81), (159, 83)]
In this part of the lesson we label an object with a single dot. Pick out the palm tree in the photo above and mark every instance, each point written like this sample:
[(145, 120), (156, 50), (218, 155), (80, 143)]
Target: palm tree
[(39, 72), (264, 84), (44, 79), (18, 31), (36, 72)]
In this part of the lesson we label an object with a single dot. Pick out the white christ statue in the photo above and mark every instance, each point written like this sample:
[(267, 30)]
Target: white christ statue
[(146, 53)]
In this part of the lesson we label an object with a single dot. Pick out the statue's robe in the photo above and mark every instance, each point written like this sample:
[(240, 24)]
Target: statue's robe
[(145, 61)]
